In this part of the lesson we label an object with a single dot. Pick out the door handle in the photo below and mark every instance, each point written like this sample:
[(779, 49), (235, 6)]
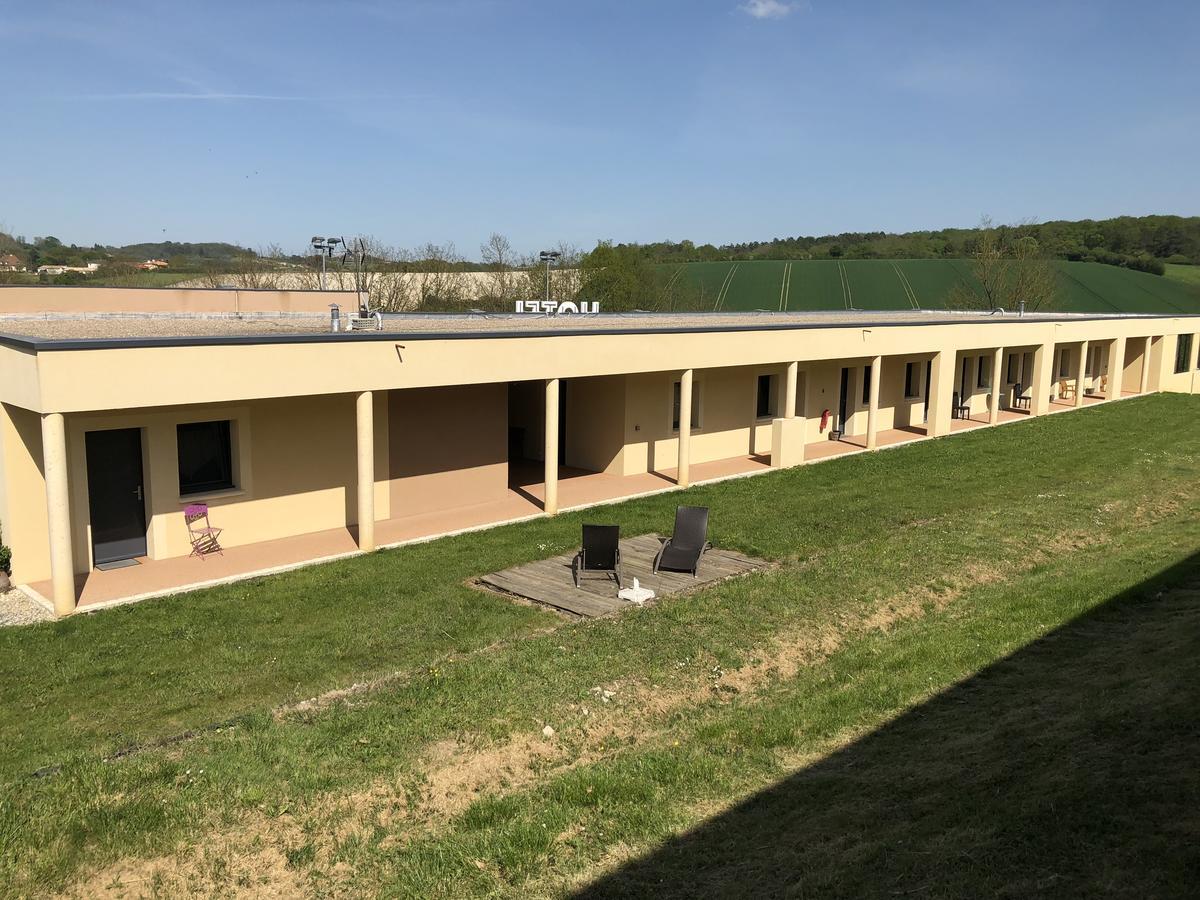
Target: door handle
[(138, 491)]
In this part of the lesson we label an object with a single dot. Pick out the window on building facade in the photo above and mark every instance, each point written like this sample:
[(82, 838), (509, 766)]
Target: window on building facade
[(205, 457), (1183, 353)]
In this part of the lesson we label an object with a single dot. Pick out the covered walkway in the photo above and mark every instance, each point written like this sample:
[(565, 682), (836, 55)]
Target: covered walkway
[(577, 489)]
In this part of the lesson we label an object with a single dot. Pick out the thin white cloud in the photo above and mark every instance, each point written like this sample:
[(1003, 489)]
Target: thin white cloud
[(192, 95), (770, 9)]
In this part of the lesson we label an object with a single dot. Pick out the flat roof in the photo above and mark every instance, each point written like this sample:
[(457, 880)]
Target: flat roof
[(59, 331)]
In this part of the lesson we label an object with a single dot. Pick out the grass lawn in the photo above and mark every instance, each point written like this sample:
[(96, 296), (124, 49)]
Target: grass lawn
[(974, 670)]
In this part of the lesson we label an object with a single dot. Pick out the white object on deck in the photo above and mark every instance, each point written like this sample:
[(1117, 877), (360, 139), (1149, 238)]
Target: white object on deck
[(636, 594)]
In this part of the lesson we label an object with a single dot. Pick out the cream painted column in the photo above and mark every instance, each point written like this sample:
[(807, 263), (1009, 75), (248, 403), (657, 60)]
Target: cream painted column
[(1144, 387), (365, 416), (1116, 369), (873, 404), (941, 394), (1043, 374), (997, 374), (683, 476), (787, 430), (789, 390), (1080, 373), (58, 513), (550, 504)]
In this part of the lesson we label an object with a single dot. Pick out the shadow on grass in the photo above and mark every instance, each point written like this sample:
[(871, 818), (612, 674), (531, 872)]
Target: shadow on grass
[(1070, 768)]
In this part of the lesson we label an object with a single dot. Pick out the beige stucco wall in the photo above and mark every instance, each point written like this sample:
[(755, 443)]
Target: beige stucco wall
[(1170, 380), (112, 378), (726, 427), (595, 423), (24, 299), (24, 510), (1131, 380), (448, 447)]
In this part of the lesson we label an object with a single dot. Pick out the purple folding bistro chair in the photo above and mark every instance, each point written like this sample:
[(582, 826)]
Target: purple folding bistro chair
[(202, 536)]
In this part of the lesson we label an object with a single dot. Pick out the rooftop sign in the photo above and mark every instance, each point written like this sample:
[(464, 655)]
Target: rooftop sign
[(558, 307)]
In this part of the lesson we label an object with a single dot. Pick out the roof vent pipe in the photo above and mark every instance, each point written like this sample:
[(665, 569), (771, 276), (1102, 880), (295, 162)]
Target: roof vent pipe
[(335, 318), (1021, 308)]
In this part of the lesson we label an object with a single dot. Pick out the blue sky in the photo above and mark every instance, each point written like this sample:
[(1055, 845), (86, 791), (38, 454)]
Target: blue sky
[(715, 120)]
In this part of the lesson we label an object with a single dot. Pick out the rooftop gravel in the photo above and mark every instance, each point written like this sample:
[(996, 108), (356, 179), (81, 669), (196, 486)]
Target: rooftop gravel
[(117, 326)]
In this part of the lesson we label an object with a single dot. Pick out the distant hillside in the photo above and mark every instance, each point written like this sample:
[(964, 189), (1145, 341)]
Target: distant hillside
[(213, 250), (49, 250), (1137, 242)]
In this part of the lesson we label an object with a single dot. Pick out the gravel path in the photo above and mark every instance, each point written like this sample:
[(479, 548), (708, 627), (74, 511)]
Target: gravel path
[(18, 609)]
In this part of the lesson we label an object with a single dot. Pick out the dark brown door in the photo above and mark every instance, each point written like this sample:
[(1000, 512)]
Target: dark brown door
[(116, 494)]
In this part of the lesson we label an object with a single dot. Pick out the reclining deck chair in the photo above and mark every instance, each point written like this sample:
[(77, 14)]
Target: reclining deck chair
[(599, 552), (681, 552), (203, 537)]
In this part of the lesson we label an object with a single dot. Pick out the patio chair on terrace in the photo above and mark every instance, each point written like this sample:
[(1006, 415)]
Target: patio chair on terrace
[(1066, 389), (201, 534), (1020, 401), (960, 410), (601, 552), (682, 551)]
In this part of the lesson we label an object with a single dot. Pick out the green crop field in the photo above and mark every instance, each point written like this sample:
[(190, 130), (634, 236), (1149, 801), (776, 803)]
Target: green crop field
[(915, 284), (1185, 274)]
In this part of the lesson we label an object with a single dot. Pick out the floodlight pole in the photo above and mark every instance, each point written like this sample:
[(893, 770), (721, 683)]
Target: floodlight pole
[(323, 247), (549, 256)]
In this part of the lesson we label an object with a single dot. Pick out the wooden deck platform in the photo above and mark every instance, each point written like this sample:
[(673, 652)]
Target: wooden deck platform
[(548, 581)]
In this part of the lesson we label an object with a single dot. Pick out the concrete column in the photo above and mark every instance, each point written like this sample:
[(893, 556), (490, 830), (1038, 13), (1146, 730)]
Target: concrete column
[(1116, 368), (873, 405), (789, 390), (58, 512), (364, 406), (997, 375), (683, 478), (1080, 373), (1043, 375), (941, 394), (550, 505), (1144, 387), (787, 430)]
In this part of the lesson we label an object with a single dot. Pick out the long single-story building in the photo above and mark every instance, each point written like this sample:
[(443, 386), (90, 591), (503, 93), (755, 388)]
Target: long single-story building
[(121, 408)]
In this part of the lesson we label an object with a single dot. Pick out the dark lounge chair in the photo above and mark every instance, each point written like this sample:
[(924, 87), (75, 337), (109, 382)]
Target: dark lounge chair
[(682, 551), (959, 410), (601, 552), (1020, 401)]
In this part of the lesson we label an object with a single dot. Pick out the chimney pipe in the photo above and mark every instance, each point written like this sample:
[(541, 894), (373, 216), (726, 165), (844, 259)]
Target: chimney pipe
[(335, 318)]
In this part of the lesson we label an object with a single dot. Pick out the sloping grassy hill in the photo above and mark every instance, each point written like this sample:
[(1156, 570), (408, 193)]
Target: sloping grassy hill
[(911, 284)]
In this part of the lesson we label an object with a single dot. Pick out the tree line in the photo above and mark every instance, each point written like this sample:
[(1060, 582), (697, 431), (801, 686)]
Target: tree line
[(1139, 242)]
